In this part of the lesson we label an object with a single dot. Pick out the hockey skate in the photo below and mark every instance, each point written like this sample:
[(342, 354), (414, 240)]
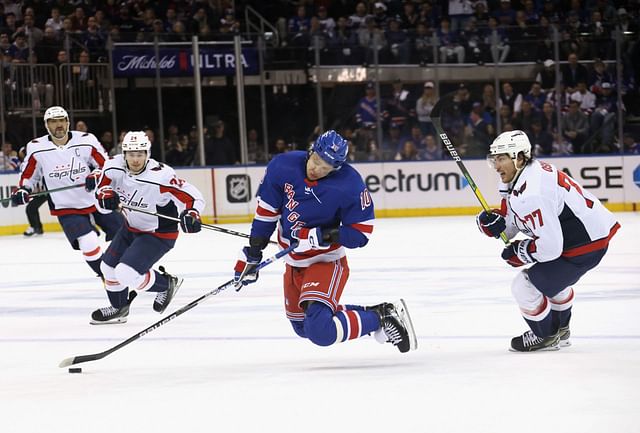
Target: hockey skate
[(31, 231), (112, 315), (530, 342), (395, 326), (565, 333), (164, 298)]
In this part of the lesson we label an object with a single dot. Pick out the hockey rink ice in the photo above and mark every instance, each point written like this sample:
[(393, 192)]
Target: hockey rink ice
[(233, 363)]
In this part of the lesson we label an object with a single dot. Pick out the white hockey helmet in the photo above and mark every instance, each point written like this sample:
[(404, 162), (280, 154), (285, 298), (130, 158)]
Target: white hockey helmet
[(136, 141), (511, 143), (55, 112)]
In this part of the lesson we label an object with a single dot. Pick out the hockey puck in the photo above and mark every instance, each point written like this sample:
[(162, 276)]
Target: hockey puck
[(75, 370)]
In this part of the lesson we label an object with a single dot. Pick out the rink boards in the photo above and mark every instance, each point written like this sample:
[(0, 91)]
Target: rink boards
[(399, 189)]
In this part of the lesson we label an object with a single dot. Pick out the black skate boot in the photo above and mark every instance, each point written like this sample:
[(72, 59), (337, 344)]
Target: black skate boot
[(530, 342), (33, 231), (396, 326), (564, 333), (112, 315), (164, 298)]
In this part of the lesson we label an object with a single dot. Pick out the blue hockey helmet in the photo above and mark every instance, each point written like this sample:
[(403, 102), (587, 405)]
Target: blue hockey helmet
[(332, 148)]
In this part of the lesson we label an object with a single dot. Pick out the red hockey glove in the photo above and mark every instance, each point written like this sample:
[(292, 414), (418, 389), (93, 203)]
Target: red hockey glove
[(519, 253)]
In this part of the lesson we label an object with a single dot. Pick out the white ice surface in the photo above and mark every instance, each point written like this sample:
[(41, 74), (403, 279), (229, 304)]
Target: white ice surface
[(233, 363)]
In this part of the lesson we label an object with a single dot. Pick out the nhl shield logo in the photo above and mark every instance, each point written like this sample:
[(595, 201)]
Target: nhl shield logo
[(238, 188)]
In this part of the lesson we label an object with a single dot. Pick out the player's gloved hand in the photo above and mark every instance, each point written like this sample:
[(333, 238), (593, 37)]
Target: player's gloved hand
[(20, 196), (108, 198), (519, 253), (309, 239), (246, 269), (491, 224), (91, 181), (190, 221)]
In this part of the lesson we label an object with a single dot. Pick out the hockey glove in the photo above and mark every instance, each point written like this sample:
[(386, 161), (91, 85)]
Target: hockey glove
[(519, 253), (190, 221), (20, 196), (108, 198), (246, 269), (91, 181), (309, 239), (491, 224)]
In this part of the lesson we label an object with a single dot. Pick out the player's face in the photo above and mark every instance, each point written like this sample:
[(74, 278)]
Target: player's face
[(504, 165), (317, 168), (58, 127), (136, 160)]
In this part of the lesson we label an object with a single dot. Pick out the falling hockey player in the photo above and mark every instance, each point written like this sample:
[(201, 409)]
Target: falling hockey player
[(568, 232), (142, 183), (321, 203)]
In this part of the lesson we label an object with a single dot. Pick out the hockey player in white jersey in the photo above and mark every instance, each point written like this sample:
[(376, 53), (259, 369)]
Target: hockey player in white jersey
[(135, 180), (567, 233), (64, 158)]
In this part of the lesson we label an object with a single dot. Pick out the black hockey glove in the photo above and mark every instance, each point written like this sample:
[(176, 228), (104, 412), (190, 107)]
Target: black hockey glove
[(108, 198), (190, 221), (91, 181), (20, 196), (491, 224)]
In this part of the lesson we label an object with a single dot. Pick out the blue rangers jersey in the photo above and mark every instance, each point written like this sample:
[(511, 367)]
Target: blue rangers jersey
[(286, 198), (156, 189)]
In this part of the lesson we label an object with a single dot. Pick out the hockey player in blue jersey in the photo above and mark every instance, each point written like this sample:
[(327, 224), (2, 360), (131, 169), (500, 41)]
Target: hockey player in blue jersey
[(321, 203)]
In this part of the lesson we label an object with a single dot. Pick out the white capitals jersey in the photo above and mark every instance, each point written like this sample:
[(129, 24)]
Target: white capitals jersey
[(60, 166), (563, 219), (156, 189)]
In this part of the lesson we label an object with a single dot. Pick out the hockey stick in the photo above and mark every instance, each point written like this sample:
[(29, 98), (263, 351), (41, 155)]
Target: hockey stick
[(206, 226), (49, 191), (96, 356), (435, 118)]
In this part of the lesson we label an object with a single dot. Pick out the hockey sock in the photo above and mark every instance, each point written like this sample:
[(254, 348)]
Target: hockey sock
[(350, 307), (95, 265), (561, 318), (161, 284), (543, 327), (118, 299), (324, 328), (561, 307)]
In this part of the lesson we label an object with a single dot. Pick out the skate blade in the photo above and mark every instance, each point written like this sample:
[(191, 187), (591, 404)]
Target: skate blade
[(544, 349), (109, 322), (564, 343), (406, 319)]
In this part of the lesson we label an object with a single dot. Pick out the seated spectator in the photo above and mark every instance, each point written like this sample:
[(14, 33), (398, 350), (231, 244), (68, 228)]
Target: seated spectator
[(559, 100), (408, 152), (496, 38), (505, 15), (600, 41), (9, 160), (631, 145), (392, 143), (459, 13), (31, 31), (547, 76), (429, 15), (79, 20), (408, 17), (55, 21), (366, 110), (47, 49), (449, 42), (359, 19), (604, 116), (371, 38), (432, 150), (424, 105), (380, 14), (586, 99), (541, 140), (106, 139), (396, 106), (94, 40), (416, 137), (549, 118), (373, 152), (19, 50), (344, 44), (81, 126), (220, 150), (474, 42), (523, 38), (422, 51), (598, 76), (398, 42), (489, 101), (510, 98), (525, 117), (327, 24), (573, 72), (575, 127), (536, 96), (298, 28), (479, 131), (256, 153), (505, 116)]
